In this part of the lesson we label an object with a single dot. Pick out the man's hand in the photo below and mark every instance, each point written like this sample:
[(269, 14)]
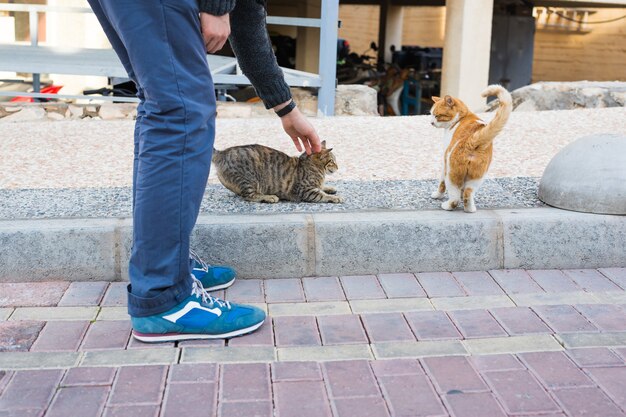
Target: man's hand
[(215, 31), (300, 130)]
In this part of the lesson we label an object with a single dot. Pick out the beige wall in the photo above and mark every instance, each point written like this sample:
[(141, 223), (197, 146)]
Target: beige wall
[(599, 55)]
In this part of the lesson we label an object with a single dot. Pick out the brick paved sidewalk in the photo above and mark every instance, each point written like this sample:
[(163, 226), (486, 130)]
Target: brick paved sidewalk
[(474, 344)]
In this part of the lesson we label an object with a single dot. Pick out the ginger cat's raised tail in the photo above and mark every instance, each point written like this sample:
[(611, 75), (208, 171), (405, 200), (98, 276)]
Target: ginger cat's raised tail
[(484, 136)]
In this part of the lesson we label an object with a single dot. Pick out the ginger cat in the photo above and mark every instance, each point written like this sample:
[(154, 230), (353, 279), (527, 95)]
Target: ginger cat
[(469, 146)]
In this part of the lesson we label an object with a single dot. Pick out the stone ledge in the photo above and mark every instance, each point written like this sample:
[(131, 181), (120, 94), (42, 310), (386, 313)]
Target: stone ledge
[(328, 244)]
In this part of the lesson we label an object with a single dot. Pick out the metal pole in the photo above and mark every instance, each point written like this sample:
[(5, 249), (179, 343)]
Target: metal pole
[(33, 23), (328, 57)]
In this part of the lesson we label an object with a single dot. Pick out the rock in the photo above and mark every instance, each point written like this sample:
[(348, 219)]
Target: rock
[(355, 100), (567, 95), (76, 112), (26, 114), (117, 111), (588, 175), (55, 116)]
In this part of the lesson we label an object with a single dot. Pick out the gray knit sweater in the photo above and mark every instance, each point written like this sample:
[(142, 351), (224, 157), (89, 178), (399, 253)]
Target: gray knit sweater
[(252, 46)]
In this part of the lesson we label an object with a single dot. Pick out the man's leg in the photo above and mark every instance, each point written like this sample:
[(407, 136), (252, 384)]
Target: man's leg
[(176, 133)]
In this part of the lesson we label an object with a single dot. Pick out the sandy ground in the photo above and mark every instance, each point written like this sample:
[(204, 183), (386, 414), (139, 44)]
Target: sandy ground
[(91, 153)]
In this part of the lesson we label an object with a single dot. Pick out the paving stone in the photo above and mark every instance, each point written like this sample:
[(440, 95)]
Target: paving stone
[(113, 313), (129, 357), (22, 394), (320, 308), (283, 290), (579, 297), (387, 327), (604, 317), (32, 294), (474, 404), (323, 289), (37, 360), (296, 331), (563, 318), (246, 409), (264, 336), (502, 362), (553, 280), (515, 281), (138, 385), (202, 343), (5, 313), (360, 407), (440, 284), (132, 411), (350, 379), (78, 401), (611, 297), (301, 399), (296, 371), (476, 323), (18, 336), (61, 336), (589, 357), (519, 392), (392, 367), (401, 285), (361, 287), (116, 295), (394, 305), (190, 400), (54, 313), (477, 283), (343, 329), (621, 352), (236, 354), (246, 291), (555, 370), (512, 344), (24, 412), (107, 335), (196, 372), (138, 344), (245, 382), (606, 339), (324, 353), (84, 294), (411, 395), (432, 325), (583, 402), (418, 349), (84, 376), (5, 377), (452, 374), (472, 303), (519, 320), (591, 280), (611, 380), (617, 275)]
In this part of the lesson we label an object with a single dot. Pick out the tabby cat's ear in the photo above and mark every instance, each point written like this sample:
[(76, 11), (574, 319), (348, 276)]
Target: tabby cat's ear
[(323, 144), (449, 101), (328, 150), (435, 98)]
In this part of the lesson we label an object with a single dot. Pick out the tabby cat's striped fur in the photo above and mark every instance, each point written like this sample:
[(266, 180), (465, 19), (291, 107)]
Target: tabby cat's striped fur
[(261, 174)]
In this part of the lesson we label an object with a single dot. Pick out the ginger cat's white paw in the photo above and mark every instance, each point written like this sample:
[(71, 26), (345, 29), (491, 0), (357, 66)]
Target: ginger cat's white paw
[(470, 209), (437, 195), (449, 205)]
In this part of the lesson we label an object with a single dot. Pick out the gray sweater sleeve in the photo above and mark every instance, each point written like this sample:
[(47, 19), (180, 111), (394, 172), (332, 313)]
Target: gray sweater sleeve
[(252, 46)]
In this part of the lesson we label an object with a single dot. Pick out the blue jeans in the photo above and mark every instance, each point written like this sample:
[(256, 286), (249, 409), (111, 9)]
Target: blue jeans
[(160, 45)]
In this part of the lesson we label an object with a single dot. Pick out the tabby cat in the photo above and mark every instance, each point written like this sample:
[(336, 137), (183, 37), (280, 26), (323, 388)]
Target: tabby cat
[(261, 174), (468, 143)]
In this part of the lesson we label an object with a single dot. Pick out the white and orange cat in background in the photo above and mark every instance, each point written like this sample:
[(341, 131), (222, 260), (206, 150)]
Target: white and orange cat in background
[(468, 144)]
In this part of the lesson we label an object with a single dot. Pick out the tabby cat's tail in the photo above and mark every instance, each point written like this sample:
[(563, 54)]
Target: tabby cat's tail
[(494, 127)]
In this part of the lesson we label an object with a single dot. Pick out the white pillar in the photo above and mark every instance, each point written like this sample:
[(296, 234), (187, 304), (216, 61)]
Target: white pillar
[(393, 30), (466, 50)]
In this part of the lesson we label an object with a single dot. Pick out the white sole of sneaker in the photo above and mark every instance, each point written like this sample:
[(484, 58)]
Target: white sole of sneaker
[(177, 337), (221, 287)]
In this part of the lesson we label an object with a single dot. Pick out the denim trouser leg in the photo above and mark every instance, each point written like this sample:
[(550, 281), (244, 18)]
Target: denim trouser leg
[(174, 135)]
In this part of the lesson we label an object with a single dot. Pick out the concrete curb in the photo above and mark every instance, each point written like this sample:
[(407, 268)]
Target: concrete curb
[(327, 244)]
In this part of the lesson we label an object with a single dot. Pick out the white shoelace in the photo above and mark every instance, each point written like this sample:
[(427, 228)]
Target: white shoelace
[(205, 266), (198, 290)]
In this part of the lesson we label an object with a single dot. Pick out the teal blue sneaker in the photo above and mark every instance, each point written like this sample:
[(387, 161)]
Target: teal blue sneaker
[(199, 316), (212, 277)]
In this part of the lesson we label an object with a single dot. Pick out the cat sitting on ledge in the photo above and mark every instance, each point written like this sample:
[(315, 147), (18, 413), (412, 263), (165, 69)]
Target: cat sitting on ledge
[(265, 175)]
